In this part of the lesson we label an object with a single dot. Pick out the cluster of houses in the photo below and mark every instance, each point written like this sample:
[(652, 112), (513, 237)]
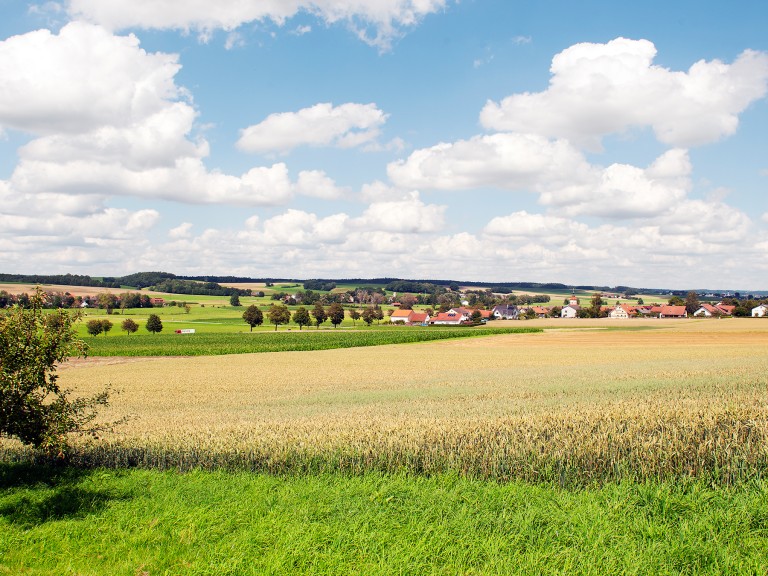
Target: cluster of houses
[(460, 315)]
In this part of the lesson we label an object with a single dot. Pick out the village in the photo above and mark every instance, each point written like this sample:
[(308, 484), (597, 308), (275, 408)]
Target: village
[(571, 309)]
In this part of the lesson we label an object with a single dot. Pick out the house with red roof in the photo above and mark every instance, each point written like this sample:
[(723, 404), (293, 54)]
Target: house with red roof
[(449, 318), (673, 312)]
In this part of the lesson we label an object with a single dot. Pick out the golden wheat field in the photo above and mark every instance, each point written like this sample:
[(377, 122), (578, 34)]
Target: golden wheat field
[(578, 404)]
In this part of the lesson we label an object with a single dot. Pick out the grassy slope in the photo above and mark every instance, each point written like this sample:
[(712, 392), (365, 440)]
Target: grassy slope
[(144, 522)]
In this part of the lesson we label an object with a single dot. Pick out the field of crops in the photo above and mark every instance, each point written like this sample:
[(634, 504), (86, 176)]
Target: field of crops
[(214, 344), (687, 400)]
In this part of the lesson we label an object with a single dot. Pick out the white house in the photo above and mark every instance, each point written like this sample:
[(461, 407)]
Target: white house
[(618, 312), (760, 311), (450, 318), (505, 312), (570, 311)]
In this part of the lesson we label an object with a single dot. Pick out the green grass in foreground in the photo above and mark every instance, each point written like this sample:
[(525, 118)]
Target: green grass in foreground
[(71, 521), (233, 343)]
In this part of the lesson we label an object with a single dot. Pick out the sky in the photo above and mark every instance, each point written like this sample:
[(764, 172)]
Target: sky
[(590, 142)]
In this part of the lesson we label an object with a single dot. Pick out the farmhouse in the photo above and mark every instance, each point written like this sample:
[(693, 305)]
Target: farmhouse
[(450, 317), (401, 316), (505, 312), (760, 311), (570, 311), (622, 311), (672, 312)]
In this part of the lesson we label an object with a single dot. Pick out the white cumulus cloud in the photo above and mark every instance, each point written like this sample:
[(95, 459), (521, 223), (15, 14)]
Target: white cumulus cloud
[(323, 124), (81, 79), (376, 22), (600, 89)]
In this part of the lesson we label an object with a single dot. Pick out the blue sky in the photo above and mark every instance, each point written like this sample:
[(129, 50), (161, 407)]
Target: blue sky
[(584, 143)]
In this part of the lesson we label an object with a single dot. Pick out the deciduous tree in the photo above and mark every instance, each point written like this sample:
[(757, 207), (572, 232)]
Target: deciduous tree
[(318, 313), (301, 317), (129, 326), (94, 327), (154, 324), (278, 314), (692, 302), (253, 316), (336, 314), (355, 315)]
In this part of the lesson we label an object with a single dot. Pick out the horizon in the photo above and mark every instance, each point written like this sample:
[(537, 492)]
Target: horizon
[(495, 139)]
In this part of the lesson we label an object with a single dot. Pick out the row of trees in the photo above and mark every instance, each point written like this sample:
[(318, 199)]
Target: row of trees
[(279, 314), (102, 326)]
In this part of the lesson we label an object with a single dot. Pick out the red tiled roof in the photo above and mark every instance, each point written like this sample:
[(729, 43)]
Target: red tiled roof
[(402, 313), (673, 310)]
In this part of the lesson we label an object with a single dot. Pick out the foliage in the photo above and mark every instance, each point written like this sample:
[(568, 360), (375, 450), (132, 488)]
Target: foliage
[(692, 302), (369, 315), (129, 326), (354, 314), (301, 317), (106, 325), (154, 324), (33, 408), (595, 306), (319, 314), (278, 314), (253, 316), (322, 285), (234, 300), (94, 327), (178, 286), (336, 314)]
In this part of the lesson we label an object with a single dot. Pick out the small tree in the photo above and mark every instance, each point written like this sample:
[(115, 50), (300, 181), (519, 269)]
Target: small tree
[(355, 315), (278, 314), (692, 302), (129, 326), (378, 314), (369, 315), (301, 317), (476, 317), (595, 307), (94, 327), (318, 313), (253, 316), (106, 326), (33, 408), (234, 300), (336, 314), (154, 324)]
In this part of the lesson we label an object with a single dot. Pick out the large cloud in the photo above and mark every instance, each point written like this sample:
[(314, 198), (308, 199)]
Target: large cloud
[(599, 89), (110, 120), (555, 170), (82, 79), (323, 124), (375, 21), (510, 161)]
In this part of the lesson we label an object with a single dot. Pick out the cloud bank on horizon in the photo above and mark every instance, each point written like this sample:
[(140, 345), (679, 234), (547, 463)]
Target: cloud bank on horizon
[(127, 155)]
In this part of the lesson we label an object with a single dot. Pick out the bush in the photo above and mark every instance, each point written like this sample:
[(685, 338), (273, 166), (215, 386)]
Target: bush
[(33, 408)]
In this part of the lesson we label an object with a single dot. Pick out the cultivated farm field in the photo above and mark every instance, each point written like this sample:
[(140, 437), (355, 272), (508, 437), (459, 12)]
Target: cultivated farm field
[(591, 447), (577, 404)]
